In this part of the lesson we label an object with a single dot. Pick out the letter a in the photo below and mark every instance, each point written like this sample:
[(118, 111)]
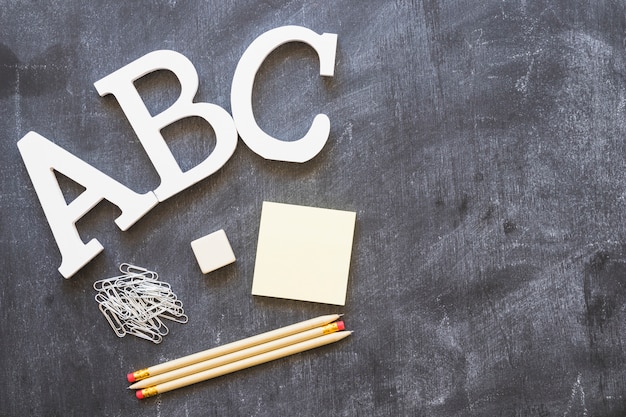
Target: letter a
[(148, 128), (41, 157), (311, 144)]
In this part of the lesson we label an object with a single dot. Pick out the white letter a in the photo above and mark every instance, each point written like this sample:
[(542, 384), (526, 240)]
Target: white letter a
[(41, 158)]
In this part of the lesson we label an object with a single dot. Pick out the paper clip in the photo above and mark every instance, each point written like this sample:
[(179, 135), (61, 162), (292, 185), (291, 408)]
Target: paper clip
[(136, 302), (113, 320)]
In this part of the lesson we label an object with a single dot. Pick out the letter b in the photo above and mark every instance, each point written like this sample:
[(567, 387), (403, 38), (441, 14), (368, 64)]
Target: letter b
[(148, 128)]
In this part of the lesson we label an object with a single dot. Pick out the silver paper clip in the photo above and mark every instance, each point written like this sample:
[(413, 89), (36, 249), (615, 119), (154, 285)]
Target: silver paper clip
[(136, 301)]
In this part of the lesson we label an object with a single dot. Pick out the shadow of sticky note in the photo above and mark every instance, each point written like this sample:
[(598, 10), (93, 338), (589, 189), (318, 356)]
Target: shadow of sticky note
[(303, 253)]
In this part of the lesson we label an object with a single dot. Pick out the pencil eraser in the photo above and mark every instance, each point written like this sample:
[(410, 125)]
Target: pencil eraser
[(131, 377), (340, 326), (213, 251), (139, 394)]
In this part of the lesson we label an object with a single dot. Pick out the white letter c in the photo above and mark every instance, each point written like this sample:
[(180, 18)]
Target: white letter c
[(255, 138)]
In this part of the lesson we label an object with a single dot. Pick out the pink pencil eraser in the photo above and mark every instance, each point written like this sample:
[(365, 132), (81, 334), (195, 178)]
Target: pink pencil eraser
[(340, 325), (139, 394), (131, 377)]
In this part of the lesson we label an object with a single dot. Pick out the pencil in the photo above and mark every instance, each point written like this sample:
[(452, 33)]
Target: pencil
[(242, 364), (238, 355), (230, 347)]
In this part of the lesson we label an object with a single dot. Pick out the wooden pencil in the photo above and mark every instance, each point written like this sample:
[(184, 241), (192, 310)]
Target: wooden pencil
[(231, 347), (242, 364), (238, 355)]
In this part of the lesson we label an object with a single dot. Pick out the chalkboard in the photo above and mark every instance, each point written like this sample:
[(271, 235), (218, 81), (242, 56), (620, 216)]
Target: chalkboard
[(481, 144)]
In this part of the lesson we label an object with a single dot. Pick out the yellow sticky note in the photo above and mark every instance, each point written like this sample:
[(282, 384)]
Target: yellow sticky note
[(303, 253)]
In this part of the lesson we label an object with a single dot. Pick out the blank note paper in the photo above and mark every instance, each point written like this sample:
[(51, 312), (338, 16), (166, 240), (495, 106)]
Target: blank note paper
[(303, 253)]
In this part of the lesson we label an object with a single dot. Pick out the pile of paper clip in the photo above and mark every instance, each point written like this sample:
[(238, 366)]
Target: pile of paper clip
[(136, 302)]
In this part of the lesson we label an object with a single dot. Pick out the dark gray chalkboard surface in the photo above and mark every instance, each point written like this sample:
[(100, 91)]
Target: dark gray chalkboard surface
[(481, 144)]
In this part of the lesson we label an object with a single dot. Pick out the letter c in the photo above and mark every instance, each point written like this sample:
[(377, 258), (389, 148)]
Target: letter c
[(255, 138)]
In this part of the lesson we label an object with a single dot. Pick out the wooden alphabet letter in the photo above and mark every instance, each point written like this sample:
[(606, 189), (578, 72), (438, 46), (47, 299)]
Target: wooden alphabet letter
[(260, 142), (41, 158), (148, 128)]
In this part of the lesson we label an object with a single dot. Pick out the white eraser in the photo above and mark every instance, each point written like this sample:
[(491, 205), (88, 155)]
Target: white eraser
[(213, 251)]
